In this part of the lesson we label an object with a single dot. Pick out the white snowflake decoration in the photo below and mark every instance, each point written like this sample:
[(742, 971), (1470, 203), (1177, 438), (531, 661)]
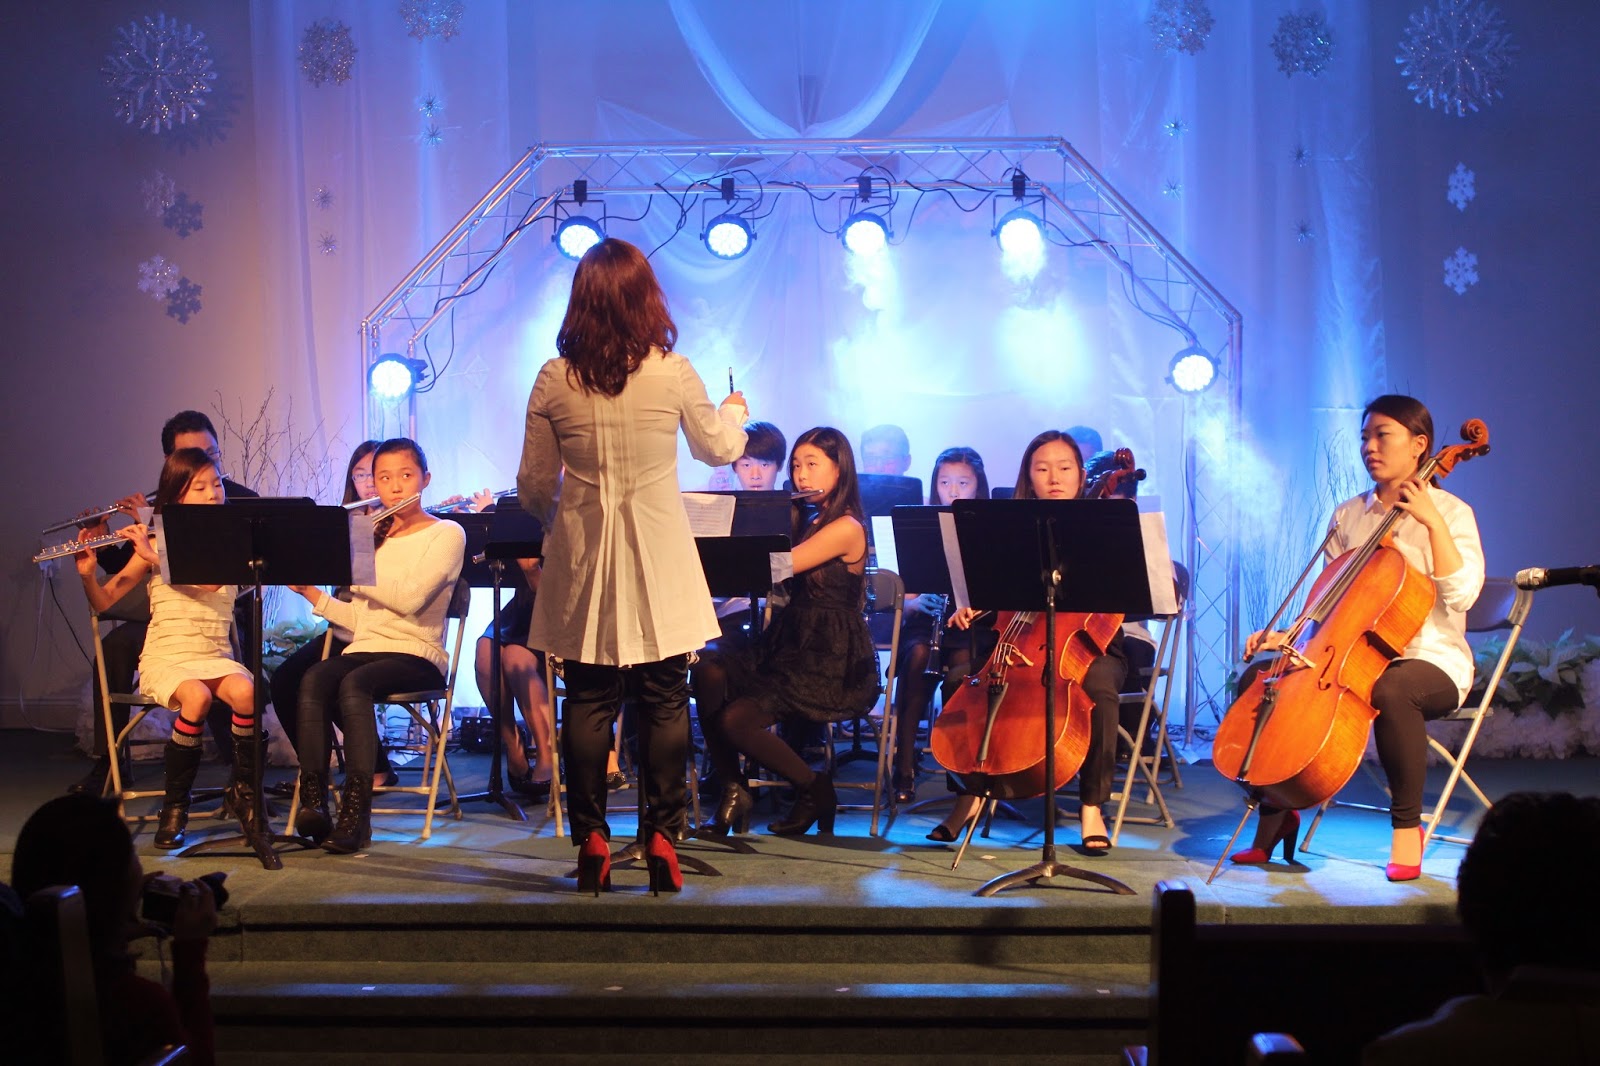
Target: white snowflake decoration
[(183, 215), (323, 197), (1180, 25), (1302, 44), (432, 18), (159, 72), (430, 105), (1172, 189), (1176, 128), (433, 136), (1456, 56), (1463, 189), (1461, 271), (157, 277), (159, 192), (328, 244), (327, 52), (1304, 233)]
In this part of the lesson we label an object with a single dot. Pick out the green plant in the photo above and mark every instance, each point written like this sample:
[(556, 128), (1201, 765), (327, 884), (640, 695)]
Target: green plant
[(1542, 672)]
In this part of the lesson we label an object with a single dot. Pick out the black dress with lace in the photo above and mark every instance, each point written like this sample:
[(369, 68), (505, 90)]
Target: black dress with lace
[(816, 659)]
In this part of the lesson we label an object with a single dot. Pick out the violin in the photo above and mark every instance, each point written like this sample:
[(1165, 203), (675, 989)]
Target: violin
[(987, 735), (1299, 731)]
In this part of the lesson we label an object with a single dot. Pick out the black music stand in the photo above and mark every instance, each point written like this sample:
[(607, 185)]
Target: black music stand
[(1013, 554), (256, 542), (493, 536)]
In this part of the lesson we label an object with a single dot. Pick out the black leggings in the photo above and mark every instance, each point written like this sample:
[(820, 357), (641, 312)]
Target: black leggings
[(659, 692), (732, 725), (353, 684), (1408, 695)]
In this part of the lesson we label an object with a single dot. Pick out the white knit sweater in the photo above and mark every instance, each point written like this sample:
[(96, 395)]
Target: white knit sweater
[(405, 611)]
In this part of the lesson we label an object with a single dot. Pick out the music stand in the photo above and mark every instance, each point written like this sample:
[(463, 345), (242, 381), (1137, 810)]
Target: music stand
[(1013, 554), (493, 536), (256, 542)]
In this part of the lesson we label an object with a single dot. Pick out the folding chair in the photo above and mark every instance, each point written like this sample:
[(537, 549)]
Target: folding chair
[(888, 597), (1148, 767), (1501, 605), (431, 711)]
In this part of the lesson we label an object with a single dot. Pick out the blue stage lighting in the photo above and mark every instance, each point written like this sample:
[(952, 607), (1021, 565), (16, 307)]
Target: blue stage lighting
[(392, 377), (865, 233), (1020, 233), (577, 235), (728, 236), (1192, 371)]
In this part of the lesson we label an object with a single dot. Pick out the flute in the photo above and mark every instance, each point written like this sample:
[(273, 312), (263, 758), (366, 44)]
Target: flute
[(149, 497), (73, 547)]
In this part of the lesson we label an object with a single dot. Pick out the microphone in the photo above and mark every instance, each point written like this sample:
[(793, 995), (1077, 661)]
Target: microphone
[(1539, 578)]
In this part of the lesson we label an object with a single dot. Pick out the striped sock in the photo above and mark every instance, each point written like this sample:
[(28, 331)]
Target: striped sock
[(244, 725), (185, 733)]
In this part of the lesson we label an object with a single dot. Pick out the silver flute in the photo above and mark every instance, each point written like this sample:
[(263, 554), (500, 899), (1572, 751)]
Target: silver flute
[(73, 547), (85, 519)]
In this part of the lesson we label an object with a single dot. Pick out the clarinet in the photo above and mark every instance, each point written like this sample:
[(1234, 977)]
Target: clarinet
[(935, 667)]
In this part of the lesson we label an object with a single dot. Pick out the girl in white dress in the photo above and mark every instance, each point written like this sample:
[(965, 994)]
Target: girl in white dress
[(188, 657)]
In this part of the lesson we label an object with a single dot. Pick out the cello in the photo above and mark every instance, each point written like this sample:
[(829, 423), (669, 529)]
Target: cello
[(988, 735), (1298, 732)]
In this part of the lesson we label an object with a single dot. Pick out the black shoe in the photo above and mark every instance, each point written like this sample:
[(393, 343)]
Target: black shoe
[(616, 781), (817, 803), (182, 764), (733, 813), (282, 790), (905, 788), (353, 830), (313, 822), (525, 785), (239, 798), (93, 783)]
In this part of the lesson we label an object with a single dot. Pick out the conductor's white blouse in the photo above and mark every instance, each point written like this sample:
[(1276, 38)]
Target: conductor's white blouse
[(622, 582)]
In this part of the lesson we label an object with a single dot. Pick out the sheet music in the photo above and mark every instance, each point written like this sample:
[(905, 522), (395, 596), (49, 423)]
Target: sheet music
[(782, 564), (710, 515), (363, 566), (1158, 563), (952, 559), (883, 542)]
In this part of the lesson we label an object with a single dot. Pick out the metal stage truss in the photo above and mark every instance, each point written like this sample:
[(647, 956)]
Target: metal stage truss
[(542, 186)]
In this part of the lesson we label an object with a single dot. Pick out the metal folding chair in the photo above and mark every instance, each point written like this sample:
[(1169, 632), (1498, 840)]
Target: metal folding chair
[(1501, 607), (888, 597)]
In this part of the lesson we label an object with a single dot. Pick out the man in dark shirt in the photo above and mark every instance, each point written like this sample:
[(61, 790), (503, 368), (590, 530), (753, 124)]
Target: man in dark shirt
[(122, 646)]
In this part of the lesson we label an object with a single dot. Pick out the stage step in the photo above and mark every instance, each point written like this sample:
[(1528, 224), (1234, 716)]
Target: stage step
[(674, 1009)]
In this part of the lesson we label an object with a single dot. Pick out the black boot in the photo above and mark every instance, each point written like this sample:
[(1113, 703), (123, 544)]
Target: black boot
[(93, 783), (815, 803), (182, 763), (733, 812), (313, 821), (240, 798), (353, 830)]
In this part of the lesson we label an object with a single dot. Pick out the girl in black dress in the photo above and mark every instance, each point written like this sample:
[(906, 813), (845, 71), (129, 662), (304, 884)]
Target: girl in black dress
[(816, 661)]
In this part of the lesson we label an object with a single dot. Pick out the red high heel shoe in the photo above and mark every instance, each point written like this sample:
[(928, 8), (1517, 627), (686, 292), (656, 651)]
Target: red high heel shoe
[(662, 862), (1395, 871), (594, 863), (1288, 832)]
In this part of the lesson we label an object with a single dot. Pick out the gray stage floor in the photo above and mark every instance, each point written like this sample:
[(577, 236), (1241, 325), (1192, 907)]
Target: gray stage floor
[(489, 859)]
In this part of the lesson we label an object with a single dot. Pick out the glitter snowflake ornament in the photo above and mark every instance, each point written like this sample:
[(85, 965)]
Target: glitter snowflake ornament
[(1172, 190), (1461, 271), (157, 277), (1176, 128), (182, 215), (159, 72), (432, 18), (1304, 233), (430, 105), (323, 197), (327, 52), (1463, 189), (159, 191), (1303, 44), (328, 244), (1180, 25), (184, 300), (1301, 155), (1455, 55)]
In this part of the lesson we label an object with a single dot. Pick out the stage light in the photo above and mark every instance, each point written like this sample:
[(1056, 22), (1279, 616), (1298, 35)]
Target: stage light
[(1192, 370), (864, 233), (392, 377), (577, 234), (728, 236), (1020, 233)]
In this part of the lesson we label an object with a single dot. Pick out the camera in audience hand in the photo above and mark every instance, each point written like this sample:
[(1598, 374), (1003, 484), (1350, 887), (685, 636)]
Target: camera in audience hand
[(160, 903)]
